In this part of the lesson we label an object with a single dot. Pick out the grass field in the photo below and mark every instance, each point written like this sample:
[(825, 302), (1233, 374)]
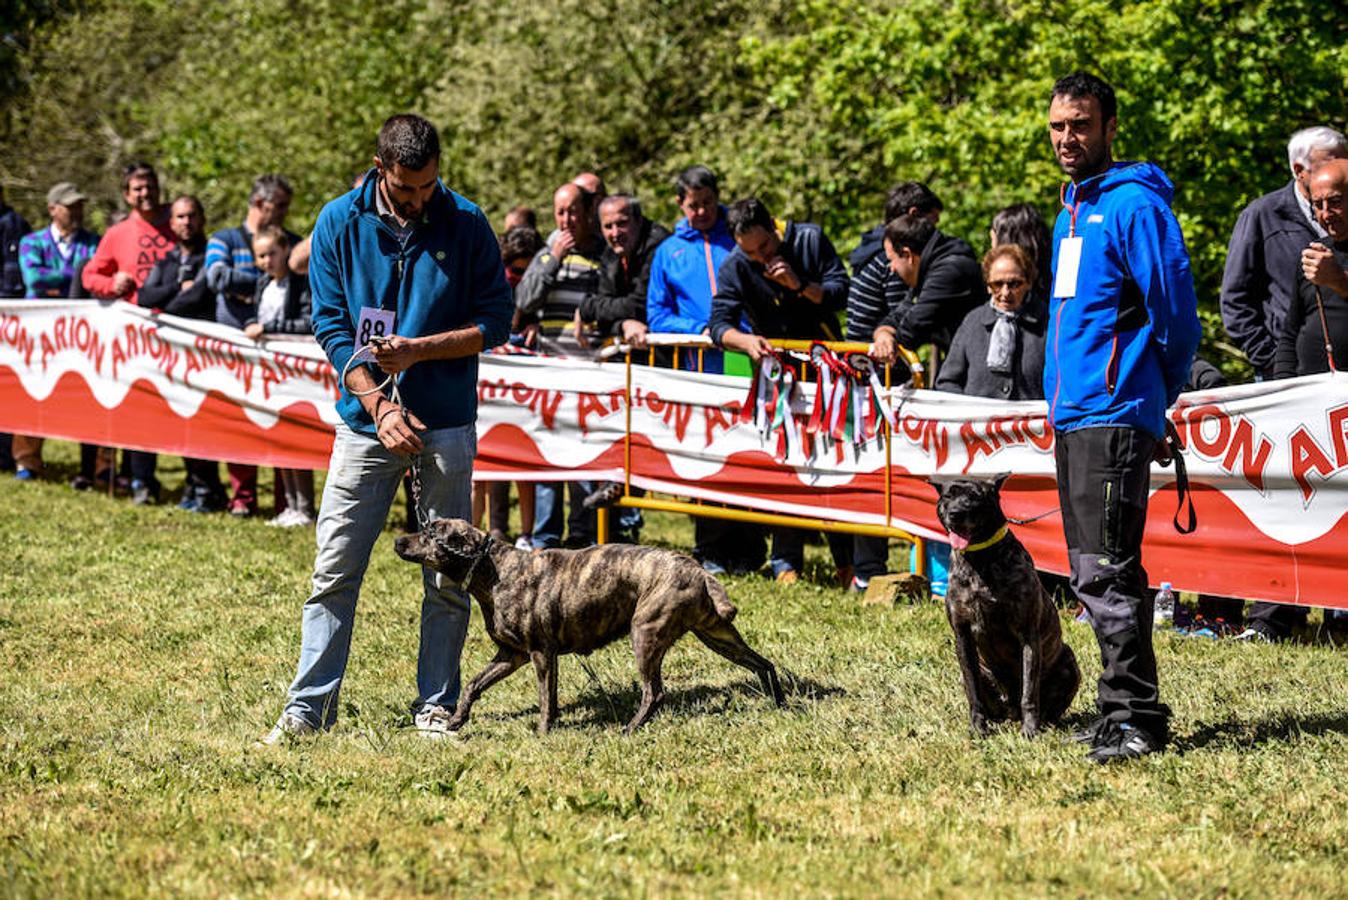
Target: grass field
[(143, 650)]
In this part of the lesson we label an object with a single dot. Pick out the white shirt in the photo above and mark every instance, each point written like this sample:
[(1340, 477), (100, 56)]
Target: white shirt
[(272, 307), (64, 245)]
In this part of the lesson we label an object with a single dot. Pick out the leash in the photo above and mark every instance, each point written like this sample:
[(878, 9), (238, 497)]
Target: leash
[(1185, 497), (482, 554), (1184, 501), (391, 382)]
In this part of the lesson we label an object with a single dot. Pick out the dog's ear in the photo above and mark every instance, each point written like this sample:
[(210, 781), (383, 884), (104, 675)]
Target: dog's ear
[(999, 481)]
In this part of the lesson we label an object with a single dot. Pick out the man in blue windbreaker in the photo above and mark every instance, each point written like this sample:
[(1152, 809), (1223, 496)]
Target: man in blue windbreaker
[(678, 301), (404, 258), (1123, 329)]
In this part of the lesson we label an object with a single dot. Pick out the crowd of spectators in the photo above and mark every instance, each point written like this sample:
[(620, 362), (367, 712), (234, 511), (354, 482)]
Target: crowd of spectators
[(733, 272), (158, 256)]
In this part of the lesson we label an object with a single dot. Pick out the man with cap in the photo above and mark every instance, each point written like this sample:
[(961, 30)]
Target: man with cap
[(48, 262), (50, 258)]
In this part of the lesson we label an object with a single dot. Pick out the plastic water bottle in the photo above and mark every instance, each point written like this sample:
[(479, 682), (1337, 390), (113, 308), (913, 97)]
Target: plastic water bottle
[(1164, 616)]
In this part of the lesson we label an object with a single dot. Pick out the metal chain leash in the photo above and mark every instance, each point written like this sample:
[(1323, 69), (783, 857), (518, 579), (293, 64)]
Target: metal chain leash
[(391, 382)]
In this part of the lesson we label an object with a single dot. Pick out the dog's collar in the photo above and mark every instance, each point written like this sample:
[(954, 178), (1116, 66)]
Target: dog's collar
[(996, 536), (477, 560)]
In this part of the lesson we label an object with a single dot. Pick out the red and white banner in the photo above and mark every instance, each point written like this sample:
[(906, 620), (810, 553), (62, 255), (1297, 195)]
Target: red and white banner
[(1267, 462)]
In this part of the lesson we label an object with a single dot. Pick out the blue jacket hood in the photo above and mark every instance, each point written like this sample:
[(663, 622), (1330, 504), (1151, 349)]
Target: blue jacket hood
[(1143, 174), (687, 232)]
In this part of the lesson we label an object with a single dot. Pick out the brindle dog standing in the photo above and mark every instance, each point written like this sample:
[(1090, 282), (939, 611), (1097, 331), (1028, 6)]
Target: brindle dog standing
[(538, 606), (1013, 661)]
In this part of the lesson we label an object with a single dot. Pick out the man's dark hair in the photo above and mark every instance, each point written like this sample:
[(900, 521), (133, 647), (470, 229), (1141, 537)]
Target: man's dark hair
[(138, 169), (520, 242), (526, 213), (695, 178), (911, 195), (632, 204), (1022, 225), (409, 141), (1084, 84), (746, 214), (909, 231), (191, 198), (267, 187)]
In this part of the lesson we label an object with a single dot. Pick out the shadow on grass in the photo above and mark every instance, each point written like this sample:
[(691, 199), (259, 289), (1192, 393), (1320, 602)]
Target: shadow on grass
[(601, 705), (1242, 733)]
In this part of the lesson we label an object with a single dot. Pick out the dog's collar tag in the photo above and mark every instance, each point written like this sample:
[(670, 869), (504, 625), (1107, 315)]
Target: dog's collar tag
[(997, 536)]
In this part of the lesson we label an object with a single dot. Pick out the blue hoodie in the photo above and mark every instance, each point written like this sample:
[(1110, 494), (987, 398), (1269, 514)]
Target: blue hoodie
[(683, 280), (1124, 343), (447, 276)]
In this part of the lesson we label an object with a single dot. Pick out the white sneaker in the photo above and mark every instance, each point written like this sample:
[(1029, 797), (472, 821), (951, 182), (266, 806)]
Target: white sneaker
[(287, 727), (283, 520), (299, 520), (523, 543), (432, 722)]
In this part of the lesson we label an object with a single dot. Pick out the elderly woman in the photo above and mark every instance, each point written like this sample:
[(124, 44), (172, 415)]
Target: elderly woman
[(998, 350)]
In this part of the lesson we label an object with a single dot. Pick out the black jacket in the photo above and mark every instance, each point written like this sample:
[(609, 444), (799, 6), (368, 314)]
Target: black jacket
[(774, 312), (622, 291), (1301, 346), (1263, 260), (872, 244), (163, 286), (1204, 376), (13, 228), (296, 317), (949, 286), (965, 370)]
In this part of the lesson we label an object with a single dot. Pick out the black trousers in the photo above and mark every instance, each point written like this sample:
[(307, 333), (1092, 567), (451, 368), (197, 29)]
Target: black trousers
[(1103, 476), (737, 546), (870, 556), (1278, 619)]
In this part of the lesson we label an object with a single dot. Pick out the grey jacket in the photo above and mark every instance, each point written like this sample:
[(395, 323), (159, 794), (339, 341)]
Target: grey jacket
[(965, 370), (1262, 262)]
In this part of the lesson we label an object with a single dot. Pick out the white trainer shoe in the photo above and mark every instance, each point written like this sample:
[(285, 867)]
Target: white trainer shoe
[(432, 722), (287, 727)]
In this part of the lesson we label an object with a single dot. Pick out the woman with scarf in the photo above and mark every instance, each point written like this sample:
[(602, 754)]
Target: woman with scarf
[(998, 350)]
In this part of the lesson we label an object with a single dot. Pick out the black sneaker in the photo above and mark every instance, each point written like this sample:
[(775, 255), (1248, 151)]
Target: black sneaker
[(1121, 741), (1089, 734)]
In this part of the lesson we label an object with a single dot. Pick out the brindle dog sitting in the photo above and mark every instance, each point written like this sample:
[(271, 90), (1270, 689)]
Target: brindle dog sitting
[(538, 606), (1012, 658)]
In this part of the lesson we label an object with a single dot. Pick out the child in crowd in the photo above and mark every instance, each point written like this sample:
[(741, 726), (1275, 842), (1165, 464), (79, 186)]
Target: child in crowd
[(281, 304)]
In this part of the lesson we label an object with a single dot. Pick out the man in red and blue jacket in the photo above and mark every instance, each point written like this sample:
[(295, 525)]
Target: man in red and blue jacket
[(1122, 333)]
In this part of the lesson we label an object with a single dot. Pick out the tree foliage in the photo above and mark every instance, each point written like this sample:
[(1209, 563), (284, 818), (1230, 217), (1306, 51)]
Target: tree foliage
[(818, 107)]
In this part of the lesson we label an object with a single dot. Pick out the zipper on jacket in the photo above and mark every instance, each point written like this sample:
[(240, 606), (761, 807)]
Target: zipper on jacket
[(1112, 370)]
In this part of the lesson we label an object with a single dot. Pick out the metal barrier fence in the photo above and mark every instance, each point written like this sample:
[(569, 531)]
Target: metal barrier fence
[(719, 511)]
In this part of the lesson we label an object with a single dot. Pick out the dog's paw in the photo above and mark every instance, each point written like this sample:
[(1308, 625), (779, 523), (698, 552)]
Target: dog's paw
[(980, 726), (1029, 730)]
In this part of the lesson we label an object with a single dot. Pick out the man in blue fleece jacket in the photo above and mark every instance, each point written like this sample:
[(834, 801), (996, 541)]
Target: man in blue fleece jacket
[(423, 260), (1123, 329)]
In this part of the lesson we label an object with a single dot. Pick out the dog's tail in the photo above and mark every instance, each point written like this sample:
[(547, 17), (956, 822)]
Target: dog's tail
[(720, 600)]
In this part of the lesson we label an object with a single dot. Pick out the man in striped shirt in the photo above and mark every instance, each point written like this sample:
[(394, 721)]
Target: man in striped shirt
[(232, 274), (548, 299)]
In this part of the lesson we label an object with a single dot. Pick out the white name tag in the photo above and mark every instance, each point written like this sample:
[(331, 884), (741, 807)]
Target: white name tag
[(1069, 261), (374, 322)]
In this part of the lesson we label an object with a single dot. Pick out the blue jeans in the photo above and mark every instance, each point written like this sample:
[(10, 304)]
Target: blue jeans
[(363, 478), (550, 513)]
